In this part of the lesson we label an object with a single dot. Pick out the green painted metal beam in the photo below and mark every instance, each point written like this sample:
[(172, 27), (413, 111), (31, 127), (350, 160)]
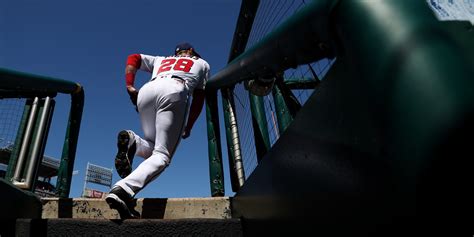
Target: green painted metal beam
[(237, 175), (5, 94), (216, 173), (248, 11), (260, 127), (25, 82), (286, 103), (301, 83), (291, 102), (303, 38), (66, 166), (284, 118)]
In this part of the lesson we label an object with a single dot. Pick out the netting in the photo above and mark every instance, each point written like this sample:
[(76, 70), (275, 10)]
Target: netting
[(271, 14), (10, 118), (12, 111)]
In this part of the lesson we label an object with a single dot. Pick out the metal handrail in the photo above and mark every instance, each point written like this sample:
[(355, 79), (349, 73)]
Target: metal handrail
[(38, 142), (303, 38), (20, 84), (26, 139)]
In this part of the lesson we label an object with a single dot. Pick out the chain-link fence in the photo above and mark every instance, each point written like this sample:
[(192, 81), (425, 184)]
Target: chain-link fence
[(10, 118), (271, 14)]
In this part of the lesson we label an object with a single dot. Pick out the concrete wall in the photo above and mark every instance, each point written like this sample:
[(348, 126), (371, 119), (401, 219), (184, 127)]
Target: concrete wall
[(139, 227), (156, 208), (17, 203)]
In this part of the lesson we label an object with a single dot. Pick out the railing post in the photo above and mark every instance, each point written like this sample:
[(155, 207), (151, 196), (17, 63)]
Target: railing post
[(260, 128), (284, 47), (216, 173), (25, 142), (286, 104), (301, 83), (248, 10), (66, 166), (30, 147), (237, 174), (17, 82), (39, 142)]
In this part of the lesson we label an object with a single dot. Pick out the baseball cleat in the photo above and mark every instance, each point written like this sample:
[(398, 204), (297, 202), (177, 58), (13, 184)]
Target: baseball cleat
[(126, 151), (120, 200)]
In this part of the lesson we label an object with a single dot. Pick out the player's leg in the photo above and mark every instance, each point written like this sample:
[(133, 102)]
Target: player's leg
[(144, 147), (126, 146), (146, 104), (169, 121), (120, 196), (130, 144), (169, 124)]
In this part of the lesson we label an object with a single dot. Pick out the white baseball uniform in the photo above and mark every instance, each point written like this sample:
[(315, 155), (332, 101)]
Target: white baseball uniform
[(163, 104)]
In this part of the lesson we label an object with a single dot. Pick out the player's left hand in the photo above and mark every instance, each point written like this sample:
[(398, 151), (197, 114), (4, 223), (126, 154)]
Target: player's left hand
[(133, 93), (186, 133)]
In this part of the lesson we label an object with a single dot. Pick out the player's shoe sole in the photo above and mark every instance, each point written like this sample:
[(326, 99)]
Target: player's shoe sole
[(125, 154), (118, 204)]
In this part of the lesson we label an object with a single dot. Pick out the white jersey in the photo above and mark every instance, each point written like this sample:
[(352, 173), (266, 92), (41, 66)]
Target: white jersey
[(193, 70)]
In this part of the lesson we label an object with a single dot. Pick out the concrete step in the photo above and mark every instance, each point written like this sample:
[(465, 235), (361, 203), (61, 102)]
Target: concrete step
[(149, 208), (129, 227), (17, 203)]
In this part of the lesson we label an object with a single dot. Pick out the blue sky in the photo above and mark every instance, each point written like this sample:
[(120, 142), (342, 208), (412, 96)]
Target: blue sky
[(88, 42)]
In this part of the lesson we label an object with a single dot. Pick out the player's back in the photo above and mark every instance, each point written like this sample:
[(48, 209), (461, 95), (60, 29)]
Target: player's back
[(193, 70)]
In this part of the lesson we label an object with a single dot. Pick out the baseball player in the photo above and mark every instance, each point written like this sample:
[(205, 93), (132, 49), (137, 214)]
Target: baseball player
[(162, 104)]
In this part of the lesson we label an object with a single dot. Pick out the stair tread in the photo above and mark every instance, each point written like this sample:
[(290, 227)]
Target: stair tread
[(149, 208), (133, 227)]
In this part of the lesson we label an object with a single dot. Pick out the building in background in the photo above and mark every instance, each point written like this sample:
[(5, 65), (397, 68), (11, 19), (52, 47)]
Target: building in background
[(97, 175), (48, 171)]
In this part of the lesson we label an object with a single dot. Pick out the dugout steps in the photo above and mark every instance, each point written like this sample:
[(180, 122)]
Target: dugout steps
[(130, 227), (148, 208), (202, 216)]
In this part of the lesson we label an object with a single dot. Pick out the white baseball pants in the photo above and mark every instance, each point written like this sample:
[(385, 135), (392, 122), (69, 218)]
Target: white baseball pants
[(162, 105)]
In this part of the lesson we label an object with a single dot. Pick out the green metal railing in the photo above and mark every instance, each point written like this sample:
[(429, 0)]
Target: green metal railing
[(41, 90), (326, 29), (216, 173), (260, 127), (284, 47), (400, 142), (244, 25), (283, 97), (241, 67), (234, 152)]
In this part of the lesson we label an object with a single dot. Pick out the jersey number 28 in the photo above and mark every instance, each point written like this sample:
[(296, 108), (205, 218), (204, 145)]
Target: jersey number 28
[(181, 64)]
